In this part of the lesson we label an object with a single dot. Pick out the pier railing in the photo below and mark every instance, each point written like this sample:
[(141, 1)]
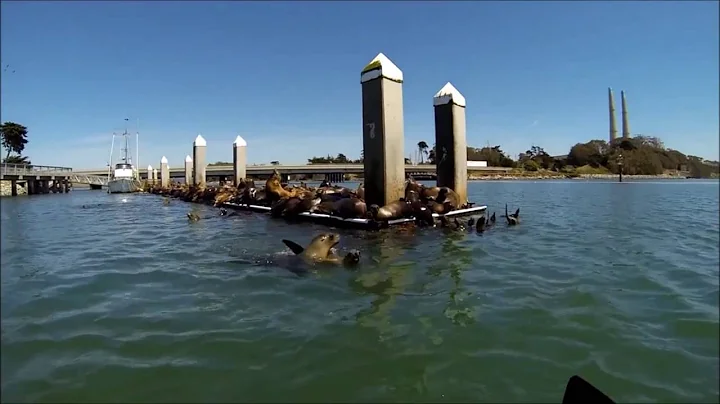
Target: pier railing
[(32, 169)]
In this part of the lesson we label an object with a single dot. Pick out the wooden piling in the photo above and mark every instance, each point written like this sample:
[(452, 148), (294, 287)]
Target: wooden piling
[(149, 175), (383, 131), (450, 140)]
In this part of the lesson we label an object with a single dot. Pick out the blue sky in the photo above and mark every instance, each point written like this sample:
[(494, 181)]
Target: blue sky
[(286, 76)]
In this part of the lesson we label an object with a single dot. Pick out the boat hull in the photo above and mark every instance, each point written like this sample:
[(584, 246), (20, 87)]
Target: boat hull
[(123, 186)]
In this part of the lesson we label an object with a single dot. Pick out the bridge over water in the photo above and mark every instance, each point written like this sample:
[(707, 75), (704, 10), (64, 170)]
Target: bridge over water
[(333, 172), (45, 179)]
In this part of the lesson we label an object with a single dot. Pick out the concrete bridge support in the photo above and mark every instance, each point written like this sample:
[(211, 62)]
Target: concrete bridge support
[(383, 131), (335, 177)]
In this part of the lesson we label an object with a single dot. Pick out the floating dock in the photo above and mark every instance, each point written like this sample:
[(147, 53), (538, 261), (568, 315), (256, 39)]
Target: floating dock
[(366, 224)]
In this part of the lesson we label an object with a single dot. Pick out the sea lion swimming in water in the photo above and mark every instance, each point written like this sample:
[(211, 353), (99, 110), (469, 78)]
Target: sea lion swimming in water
[(483, 223), (320, 250), (513, 219), (193, 217)]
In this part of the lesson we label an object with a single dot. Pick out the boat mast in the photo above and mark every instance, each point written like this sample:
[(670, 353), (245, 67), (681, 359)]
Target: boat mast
[(125, 150)]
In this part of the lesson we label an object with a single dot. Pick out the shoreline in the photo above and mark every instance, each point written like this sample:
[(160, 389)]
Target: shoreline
[(611, 177)]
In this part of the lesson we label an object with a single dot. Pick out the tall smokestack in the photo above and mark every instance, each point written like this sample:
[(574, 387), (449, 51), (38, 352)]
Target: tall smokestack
[(613, 124), (625, 122)]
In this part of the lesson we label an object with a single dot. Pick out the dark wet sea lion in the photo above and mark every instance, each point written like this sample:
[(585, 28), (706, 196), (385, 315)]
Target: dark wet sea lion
[(393, 210), (320, 249), (447, 196), (349, 208), (324, 207), (193, 217), (513, 219), (422, 214)]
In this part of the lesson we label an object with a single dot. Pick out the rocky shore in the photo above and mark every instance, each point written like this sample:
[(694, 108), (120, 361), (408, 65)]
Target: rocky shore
[(6, 189)]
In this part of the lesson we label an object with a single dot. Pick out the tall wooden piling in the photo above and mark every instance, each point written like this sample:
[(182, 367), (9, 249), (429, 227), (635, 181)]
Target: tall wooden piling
[(450, 140), (383, 131), (239, 159), (149, 175), (164, 172), (199, 164), (188, 170)]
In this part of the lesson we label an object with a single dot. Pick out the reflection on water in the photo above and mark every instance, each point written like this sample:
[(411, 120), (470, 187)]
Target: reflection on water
[(101, 292)]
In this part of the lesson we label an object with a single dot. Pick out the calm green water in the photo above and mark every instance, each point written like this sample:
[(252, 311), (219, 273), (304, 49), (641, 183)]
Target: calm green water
[(127, 301)]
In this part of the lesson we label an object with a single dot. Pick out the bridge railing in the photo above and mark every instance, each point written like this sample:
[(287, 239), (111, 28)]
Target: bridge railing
[(32, 169)]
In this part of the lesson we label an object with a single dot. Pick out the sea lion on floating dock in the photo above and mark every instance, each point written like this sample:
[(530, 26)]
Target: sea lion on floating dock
[(360, 191), (274, 189), (320, 249), (349, 208), (513, 219), (423, 215), (393, 210)]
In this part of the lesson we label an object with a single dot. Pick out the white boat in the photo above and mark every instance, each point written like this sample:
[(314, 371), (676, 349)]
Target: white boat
[(124, 178)]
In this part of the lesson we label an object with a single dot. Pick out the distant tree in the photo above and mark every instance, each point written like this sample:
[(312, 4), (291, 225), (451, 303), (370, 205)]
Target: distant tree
[(408, 161), (422, 148), (275, 163), (14, 159), (14, 138), (220, 163), (341, 159)]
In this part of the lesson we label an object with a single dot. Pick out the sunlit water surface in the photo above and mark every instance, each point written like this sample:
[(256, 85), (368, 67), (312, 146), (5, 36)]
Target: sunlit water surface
[(125, 300)]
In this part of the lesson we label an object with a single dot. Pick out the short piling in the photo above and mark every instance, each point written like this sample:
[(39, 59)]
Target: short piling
[(239, 159), (450, 140), (199, 154), (383, 131), (164, 172), (188, 170), (155, 176), (149, 175)]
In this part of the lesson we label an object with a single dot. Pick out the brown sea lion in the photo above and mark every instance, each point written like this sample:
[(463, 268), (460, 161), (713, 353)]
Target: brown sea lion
[(193, 217), (429, 193), (393, 210), (484, 223), (513, 219), (320, 250), (274, 189), (361, 191)]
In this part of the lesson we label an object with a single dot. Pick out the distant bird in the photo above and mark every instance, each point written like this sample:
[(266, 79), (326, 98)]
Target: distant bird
[(8, 67)]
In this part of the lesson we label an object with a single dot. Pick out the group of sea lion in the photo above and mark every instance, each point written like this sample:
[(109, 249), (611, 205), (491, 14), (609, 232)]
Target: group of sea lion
[(419, 202), (482, 223)]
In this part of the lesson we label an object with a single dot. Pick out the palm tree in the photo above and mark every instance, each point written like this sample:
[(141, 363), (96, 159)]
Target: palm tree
[(422, 148)]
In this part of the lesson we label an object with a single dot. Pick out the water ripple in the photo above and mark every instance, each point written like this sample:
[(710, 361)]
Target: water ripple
[(606, 280)]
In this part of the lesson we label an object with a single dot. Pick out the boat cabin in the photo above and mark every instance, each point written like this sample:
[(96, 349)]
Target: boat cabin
[(124, 170)]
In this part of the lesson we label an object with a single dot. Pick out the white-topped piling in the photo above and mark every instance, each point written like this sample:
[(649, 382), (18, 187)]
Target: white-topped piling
[(239, 159), (383, 131), (155, 176), (149, 174), (188, 170), (199, 163), (164, 172), (450, 140)]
